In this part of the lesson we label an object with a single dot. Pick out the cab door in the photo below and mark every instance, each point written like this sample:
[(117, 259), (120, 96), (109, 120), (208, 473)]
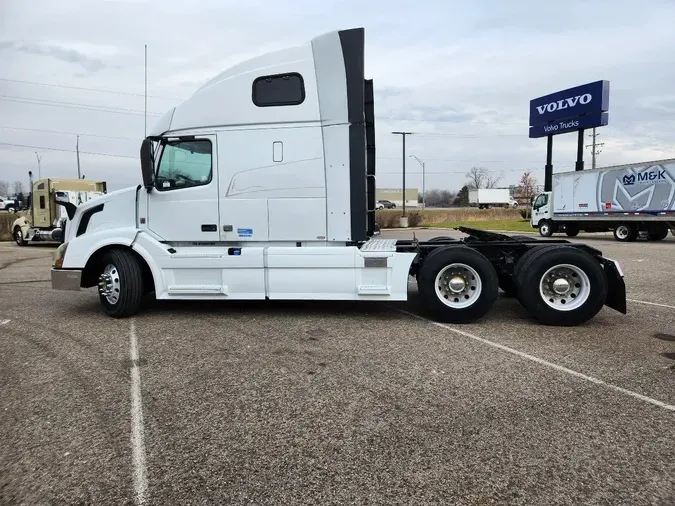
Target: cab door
[(183, 205)]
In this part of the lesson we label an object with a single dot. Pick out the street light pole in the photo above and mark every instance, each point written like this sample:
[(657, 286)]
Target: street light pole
[(424, 193)]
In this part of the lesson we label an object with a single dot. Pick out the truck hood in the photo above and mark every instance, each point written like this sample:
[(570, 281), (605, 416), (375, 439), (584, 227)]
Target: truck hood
[(113, 210)]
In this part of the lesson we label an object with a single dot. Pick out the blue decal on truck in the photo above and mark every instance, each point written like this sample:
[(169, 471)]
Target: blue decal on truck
[(245, 232)]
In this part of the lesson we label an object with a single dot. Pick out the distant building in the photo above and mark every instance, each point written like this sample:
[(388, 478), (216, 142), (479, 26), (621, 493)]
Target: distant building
[(395, 195)]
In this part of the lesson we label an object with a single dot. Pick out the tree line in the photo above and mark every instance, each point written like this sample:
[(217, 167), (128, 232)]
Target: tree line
[(16, 188), (478, 177)]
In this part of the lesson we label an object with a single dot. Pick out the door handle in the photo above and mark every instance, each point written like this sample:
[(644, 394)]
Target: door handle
[(209, 228)]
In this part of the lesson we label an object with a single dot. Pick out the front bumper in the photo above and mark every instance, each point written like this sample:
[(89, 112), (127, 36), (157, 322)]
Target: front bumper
[(66, 279)]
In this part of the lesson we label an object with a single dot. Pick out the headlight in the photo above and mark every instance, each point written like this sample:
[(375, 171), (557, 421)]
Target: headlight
[(59, 255)]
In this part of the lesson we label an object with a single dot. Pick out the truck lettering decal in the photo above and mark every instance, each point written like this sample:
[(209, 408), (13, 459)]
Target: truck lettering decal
[(245, 232)]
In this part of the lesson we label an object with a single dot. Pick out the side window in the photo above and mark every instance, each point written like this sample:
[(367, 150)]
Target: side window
[(540, 201), (42, 201), (185, 164), (278, 90)]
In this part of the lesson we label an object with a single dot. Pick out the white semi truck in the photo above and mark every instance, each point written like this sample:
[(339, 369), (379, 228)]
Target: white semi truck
[(630, 200), (261, 185), (485, 198)]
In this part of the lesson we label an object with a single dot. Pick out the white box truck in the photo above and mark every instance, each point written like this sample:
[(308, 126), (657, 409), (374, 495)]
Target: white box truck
[(485, 198), (630, 200), (261, 185)]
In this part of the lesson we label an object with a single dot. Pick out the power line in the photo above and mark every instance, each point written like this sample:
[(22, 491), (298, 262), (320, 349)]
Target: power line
[(69, 133), (464, 161), (66, 150), (87, 89), (462, 136), (73, 105)]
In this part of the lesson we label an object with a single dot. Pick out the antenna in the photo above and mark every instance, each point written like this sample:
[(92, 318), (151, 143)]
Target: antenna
[(145, 127), (77, 147)]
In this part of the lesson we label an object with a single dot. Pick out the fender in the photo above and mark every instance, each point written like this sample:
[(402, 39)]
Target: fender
[(82, 248)]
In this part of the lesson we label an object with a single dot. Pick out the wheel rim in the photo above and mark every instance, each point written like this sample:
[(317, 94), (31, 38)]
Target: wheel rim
[(564, 287), (458, 285), (544, 229), (109, 284), (18, 236), (622, 232)]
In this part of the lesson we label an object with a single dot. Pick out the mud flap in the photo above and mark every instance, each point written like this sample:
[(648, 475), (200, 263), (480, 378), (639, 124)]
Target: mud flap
[(616, 289)]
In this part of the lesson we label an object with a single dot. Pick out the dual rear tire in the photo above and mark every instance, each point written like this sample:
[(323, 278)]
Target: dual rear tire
[(559, 285)]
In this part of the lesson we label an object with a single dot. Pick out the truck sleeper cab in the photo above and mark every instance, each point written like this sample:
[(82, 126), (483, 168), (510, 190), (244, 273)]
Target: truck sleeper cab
[(261, 185)]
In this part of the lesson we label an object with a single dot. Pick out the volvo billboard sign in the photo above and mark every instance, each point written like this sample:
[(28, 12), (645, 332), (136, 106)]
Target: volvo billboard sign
[(565, 111)]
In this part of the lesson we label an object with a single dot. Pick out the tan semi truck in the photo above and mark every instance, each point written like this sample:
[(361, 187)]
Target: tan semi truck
[(45, 220)]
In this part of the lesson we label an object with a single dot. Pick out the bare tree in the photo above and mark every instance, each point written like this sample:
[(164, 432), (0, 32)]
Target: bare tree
[(492, 180), (480, 177), (476, 177), (4, 188), (17, 187), (527, 186)]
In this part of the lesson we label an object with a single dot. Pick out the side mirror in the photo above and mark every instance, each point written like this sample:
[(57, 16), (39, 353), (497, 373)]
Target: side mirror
[(147, 163)]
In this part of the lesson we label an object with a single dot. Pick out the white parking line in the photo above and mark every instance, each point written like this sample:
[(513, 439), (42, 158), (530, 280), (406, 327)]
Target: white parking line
[(137, 436), (546, 363), (650, 303)]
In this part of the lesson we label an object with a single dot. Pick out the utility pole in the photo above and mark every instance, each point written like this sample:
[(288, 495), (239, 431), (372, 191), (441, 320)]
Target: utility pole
[(77, 147), (424, 193), (403, 134), (596, 147), (38, 159)]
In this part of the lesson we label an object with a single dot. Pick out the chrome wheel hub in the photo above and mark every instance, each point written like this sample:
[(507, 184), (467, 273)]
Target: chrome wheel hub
[(109, 284), (564, 287), (458, 285), (560, 286)]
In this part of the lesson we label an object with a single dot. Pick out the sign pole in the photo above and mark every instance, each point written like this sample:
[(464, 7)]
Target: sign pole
[(548, 170), (580, 151)]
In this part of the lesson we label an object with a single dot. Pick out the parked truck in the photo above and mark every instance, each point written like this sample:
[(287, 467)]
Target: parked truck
[(261, 185), (484, 198), (45, 220), (630, 200)]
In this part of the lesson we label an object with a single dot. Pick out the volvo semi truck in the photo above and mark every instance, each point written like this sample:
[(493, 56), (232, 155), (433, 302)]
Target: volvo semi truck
[(261, 185), (630, 200)]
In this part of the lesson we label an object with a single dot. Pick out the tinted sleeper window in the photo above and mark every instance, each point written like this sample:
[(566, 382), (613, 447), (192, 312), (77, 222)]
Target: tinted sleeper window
[(282, 89)]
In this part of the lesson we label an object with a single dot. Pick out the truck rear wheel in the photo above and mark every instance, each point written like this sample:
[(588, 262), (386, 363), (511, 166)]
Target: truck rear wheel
[(457, 284), (120, 283), (659, 233), (571, 230), (562, 286), (625, 232)]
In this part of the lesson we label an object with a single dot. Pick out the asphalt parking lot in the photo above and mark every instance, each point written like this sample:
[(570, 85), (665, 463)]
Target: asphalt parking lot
[(325, 403)]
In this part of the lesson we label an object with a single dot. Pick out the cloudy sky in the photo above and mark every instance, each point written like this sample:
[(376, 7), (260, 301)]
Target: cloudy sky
[(459, 74)]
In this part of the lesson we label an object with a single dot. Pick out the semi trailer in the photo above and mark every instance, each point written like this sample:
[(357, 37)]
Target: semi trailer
[(45, 219), (261, 186), (631, 200), (485, 198)]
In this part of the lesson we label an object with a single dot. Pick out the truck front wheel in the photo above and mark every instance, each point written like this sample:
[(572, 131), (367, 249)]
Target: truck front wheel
[(562, 286), (18, 237), (625, 233), (545, 228), (120, 283), (457, 284)]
